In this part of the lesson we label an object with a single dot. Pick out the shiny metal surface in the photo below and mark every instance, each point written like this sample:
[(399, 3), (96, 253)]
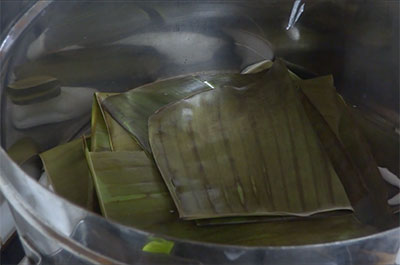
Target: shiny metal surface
[(357, 41)]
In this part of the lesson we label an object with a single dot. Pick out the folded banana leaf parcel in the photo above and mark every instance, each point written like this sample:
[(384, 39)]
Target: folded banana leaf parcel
[(211, 153)]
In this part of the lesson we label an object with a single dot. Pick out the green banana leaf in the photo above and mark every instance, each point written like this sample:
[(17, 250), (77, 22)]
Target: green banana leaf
[(257, 219), (117, 179), (380, 134), (107, 134), (34, 89), (120, 139), (133, 193), (303, 231), (382, 139), (25, 153), (100, 138), (348, 150), (231, 152), (284, 232), (259, 67), (130, 189), (133, 108), (23, 150), (69, 174), (272, 234)]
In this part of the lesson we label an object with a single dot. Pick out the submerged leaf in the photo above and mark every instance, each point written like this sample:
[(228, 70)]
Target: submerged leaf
[(133, 108), (130, 189), (120, 139), (232, 152), (133, 193), (382, 139), (347, 149), (379, 137), (100, 139), (258, 219), (107, 134), (284, 232), (23, 150), (69, 174)]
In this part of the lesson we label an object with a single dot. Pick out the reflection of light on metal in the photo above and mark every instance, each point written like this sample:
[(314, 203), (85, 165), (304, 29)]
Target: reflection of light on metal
[(301, 10), (295, 14), (178, 45), (234, 254), (294, 33), (37, 47), (393, 180), (208, 84)]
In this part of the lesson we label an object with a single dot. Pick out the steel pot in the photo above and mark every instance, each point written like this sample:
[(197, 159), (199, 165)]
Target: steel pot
[(356, 41)]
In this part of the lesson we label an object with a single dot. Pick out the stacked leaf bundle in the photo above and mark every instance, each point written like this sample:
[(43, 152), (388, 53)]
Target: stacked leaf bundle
[(200, 156)]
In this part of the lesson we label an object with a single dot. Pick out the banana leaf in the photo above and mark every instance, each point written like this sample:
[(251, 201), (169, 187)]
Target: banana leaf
[(100, 139), (23, 150), (382, 139), (121, 188), (284, 232), (380, 134), (69, 174), (122, 178), (231, 152), (133, 108), (130, 189), (107, 134), (348, 150), (34, 89), (272, 234), (96, 65), (120, 139), (257, 219), (261, 66)]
